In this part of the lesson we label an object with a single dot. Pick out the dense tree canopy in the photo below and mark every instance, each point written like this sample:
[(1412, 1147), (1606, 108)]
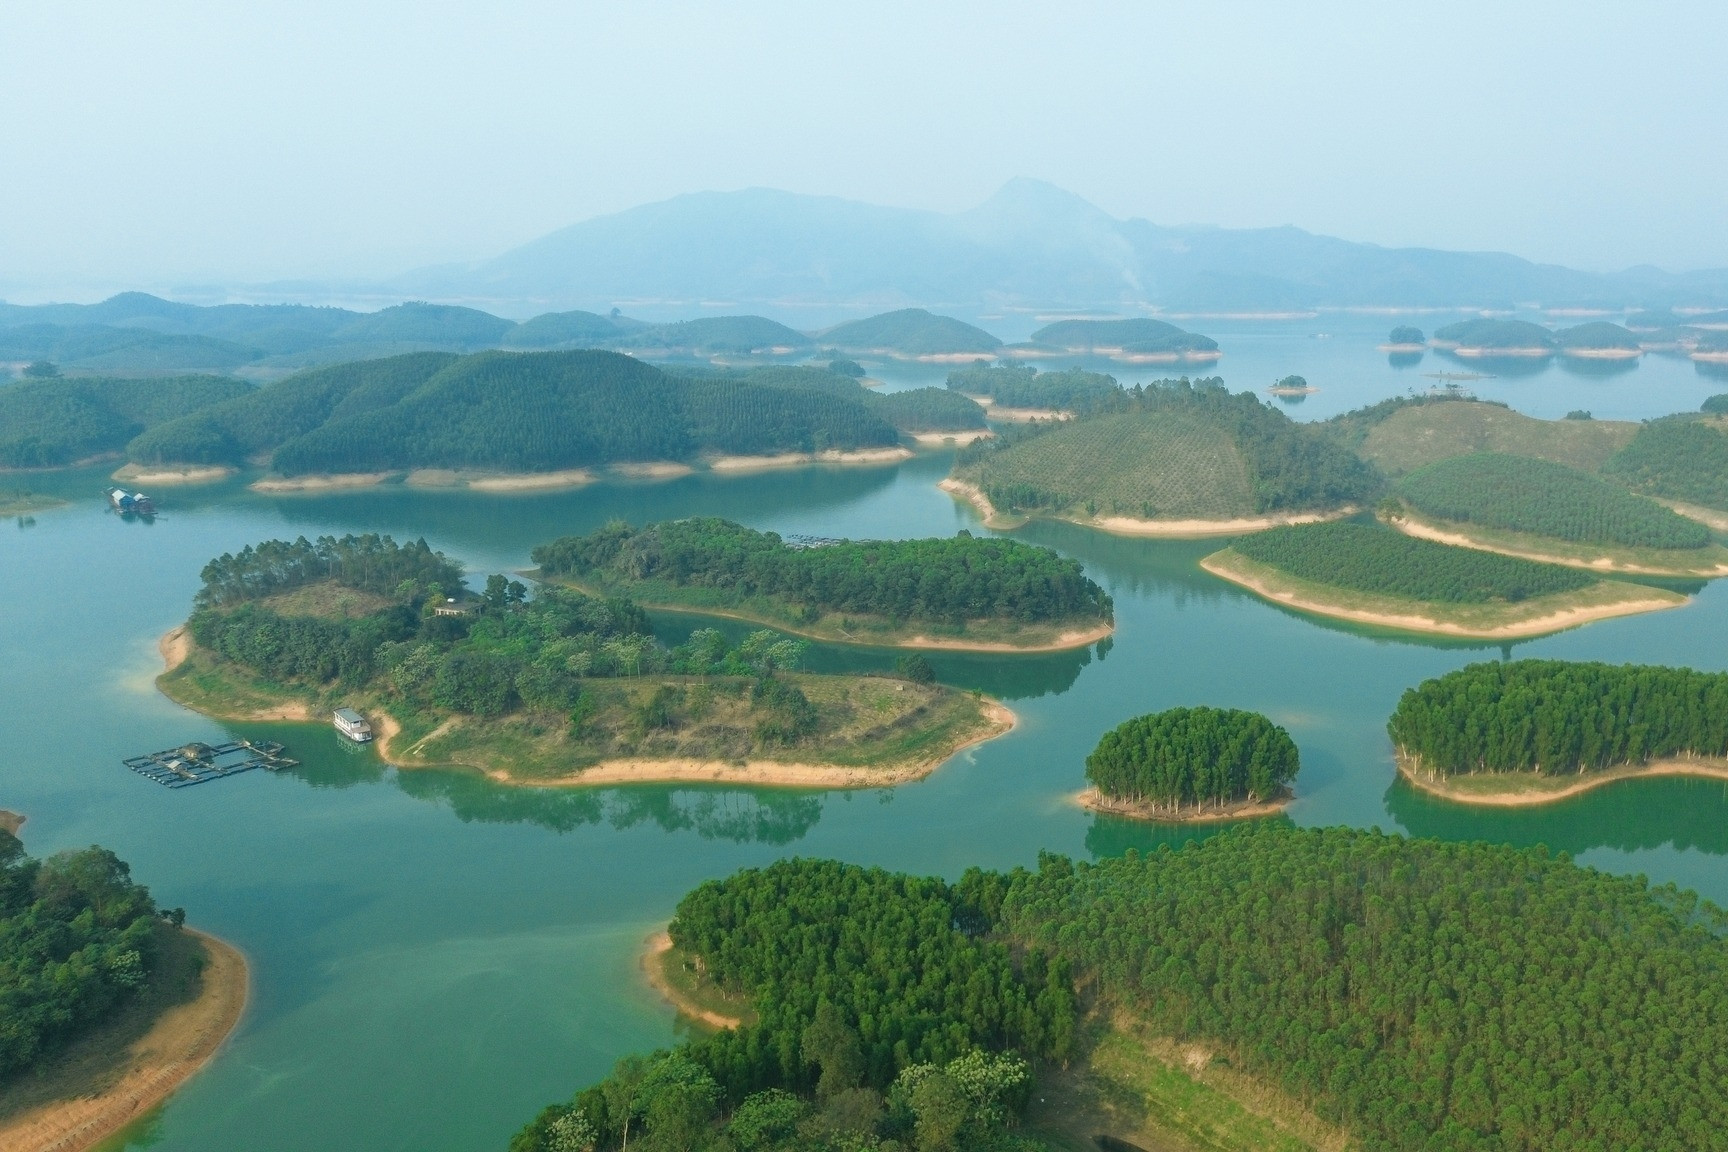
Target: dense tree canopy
[(1405, 334), (369, 563), (1681, 458), (1427, 995), (1494, 334), (1188, 757), (1525, 494), (53, 421), (1373, 559), (77, 940), (911, 332), (1023, 386), (881, 996), (957, 579), (1137, 335), (1552, 716)]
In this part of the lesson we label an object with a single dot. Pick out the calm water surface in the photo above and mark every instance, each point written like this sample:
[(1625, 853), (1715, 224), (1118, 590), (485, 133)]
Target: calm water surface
[(434, 958)]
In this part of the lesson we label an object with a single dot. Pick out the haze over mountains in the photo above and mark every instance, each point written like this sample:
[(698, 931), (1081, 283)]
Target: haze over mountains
[(1031, 245)]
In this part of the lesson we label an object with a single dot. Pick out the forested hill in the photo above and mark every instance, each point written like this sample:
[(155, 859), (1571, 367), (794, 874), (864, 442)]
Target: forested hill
[(521, 412), (955, 580), (1173, 449), (48, 423), (1422, 994), (911, 332), (1139, 335)]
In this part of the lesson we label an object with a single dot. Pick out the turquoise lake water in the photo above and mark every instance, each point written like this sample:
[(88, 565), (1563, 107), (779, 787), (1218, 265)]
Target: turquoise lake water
[(435, 957)]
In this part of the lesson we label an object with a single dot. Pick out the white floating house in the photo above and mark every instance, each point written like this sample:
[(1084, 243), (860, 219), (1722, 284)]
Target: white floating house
[(353, 725)]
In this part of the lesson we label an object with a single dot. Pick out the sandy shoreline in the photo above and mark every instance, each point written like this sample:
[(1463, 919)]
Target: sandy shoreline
[(1534, 626), (498, 481), (995, 411), (958, 439), (176, 645), (176, 1048), (1402, 349), (333, 482), (1584, 782), (1095, 801), (1709, 517), (654, 968), (1132, 526), (1422, 530), (767, 773), (144, 474), (794, 459), (1603, 353)]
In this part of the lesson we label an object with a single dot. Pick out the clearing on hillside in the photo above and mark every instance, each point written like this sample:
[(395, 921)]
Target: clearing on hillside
[(1164, 465), (1415, 436)]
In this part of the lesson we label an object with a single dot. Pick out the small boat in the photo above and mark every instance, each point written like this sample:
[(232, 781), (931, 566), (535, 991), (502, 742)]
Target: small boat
[(352, 725)]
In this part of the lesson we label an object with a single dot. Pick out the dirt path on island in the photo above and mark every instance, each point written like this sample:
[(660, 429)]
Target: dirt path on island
[(176, 1048), (1422, 530), (1535, 626), (654, 967), (768, 773), (1529, 797)]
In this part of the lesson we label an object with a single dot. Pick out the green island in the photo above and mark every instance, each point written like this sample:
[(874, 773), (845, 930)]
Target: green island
[(1537, 731), (1246, 992), (1598, 338), (1370, 574), (1523, 506), (560, 689), (1019, 388), (1192, 764), (530, 419), (109, 1002), (713, 335), (911, 333), (1173, 458), (1405, 338), (976, 593), (1491, 338), (1140, 339), (1403, 434)]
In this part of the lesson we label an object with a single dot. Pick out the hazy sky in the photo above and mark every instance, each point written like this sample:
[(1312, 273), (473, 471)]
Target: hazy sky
[(159, 143)]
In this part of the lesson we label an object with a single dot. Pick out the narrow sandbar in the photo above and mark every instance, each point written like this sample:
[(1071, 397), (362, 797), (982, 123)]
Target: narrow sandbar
[(277, 485), (1095, 801), (797, 459), (1526, 789), (499, 481), (168, 476), (958, 439)]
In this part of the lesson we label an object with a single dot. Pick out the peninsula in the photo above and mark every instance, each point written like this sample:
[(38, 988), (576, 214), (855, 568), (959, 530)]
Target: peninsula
[(82, 1058), (965, 592), (1539, 731), (1369, 574), (564, 689)]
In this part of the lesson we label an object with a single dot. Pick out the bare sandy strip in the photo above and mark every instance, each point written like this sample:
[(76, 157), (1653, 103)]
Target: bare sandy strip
[(175, 645), (176, 1048), (1202, 529), (1535, 626), (12, 822), (325, 483), (1095, 801), (1425, 531), (937, 439), (1403, 349), (1480, 353), (651, 470), (995, 411), (796, 459), (1603, 353), (499, 481), (1709, 517), (654, 967), (1528, 797), (1711, 357), (161, 477), (767, 773), (973, 495)]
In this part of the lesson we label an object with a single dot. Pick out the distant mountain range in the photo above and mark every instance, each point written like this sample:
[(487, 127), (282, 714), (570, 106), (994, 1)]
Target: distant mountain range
[(1031, 245)]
